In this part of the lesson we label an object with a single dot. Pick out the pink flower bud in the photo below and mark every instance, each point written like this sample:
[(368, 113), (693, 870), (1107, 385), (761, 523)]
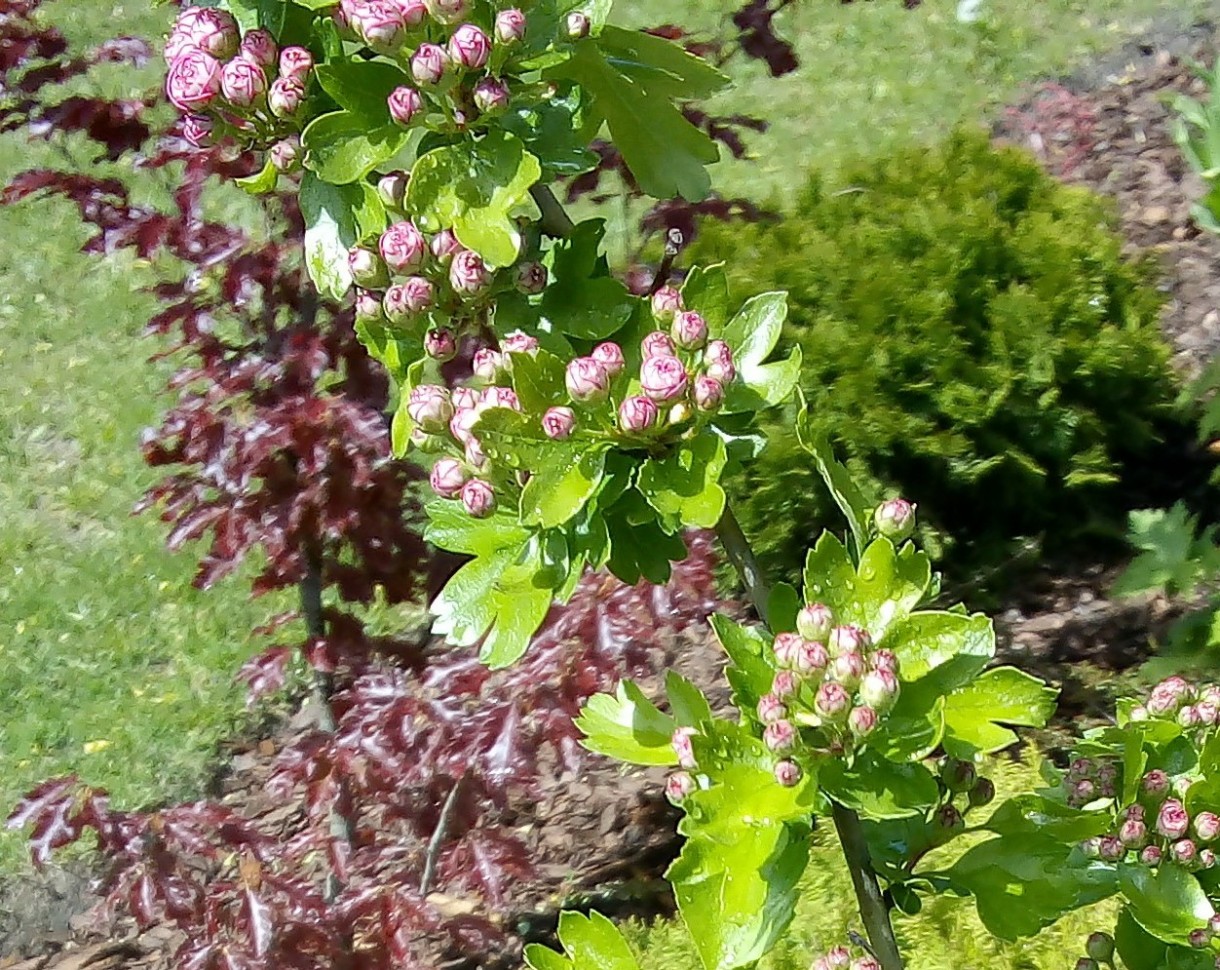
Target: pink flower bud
[(428, 63), (1210, 694), (448, 11), (462, 425), (689, 330), (682, 746), (832, 701), (658, 344), (678, 786), (847, 668), (785, 648), (848, 639), (531, 278), (1172, 820), (1207, 826), (295, 62), (866, 962), (784, 685), (1133, 834), (1184, 851), (559, 423), (885, 660), (405, 301), (895, 519), (285, 154), (1139, 713), (440, 345), (501, 397), (788, 773), (610, 356), (1133, 812), (1111, 849), (1209, 713), (1181, 786), (518, 342), (464, 398), (578, 25), (198, 130), (468, 274), (1150, 856), (445, 246), (879, 689), (1169, 695), (404, 104), (260, 47), (1207, 858), (430, 407), (719, 361), (210, 30), (771, 709), (814, 621), (1188, 717), (489, 365), (414, 12), (368, 306), (380, 25), (666, 304), (780, 737), (637, 414), (447, 478), (709, 393), (663, 378), (862, 721), (1155, 783), (1199, 938), (1081, 792), (1091, 848), (811, 658), (510, 27), (402, 247), (193, 81), (469, 48), (285, 97), (479, 498), (366, 267), (392, 189), (983, 793), (491, 96), (587, 380), (1086, 963), (838, 958)]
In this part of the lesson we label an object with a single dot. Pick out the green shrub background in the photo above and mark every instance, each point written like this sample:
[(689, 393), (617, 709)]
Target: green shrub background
[(973, 339)]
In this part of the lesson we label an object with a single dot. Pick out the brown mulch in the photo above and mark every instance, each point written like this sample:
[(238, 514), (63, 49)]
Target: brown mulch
[(607, 834)]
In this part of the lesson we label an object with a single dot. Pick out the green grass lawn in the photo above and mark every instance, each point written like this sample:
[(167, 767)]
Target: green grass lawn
[(111, 665)]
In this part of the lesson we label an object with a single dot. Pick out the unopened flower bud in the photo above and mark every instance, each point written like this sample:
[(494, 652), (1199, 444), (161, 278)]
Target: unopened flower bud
[(689, 330), (440, 345), (242, 82), (666, 304), (464, 420), (1081, 792), (1086, 963), (866, 962), (663, 378), (368, 307), (578, 25), (814, 621), (879, 689), (295, 62), (429, 407), (862, 721), (1188, 717), (1110, 849), (259, 47), (448, 11), (531, 278), (788, 773), (958, 775), (785, 649), (285, 154), (1155, 783), (1091, 848), (682, 746), (468, 274), (1150, 856), (380, 24), (1184, 851), (1169, 695), (510, 27), (470, 48), (771, 709), (488, 364), (983, 793), (366, 267), (392, 189), (658, 344), (811, 659), (479, 498), (1209, 713), (949, 821), (500, 397), (402, 247), (1207, 858), (1133, 834), (1172, 820), (491, 96), (198, 130), (1100, 946), (832, 701), (447, 478), (885, 660), (407, 300), (1199, 938), (207, 29), (718, 358), (637, 414), (895, 519), (428, 64), (610, 356), (709, 393), (559, 423), (285, 97), (404, 104), (838, 958), (784, 685), (193, 81), (1207, 826), (847, 668), (848, 639), (587, 380), (678, 786), (1139, 713), (476, 457), (780, 737)]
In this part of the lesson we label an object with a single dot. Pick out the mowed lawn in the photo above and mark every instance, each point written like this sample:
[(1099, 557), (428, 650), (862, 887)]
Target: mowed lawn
[(111, 665)]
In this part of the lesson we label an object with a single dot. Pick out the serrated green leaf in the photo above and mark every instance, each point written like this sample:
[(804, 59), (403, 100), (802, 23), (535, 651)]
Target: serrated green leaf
[(755, 330), (975, 712), (1168, 902), (750, 673), (562, 483), (395, 350), (1032, 815), (551, 131), (690, 708), (627, 726), (584, 300), (451, 527), (362, 88), (538, 379), (1170, 560), (261, 182), (665, 69), (762, 386), (590, 943), (706, 289), (331, 230), (929, 640), (842, 487), (877, 788), (341, 147), (684, 488), (475, 188)]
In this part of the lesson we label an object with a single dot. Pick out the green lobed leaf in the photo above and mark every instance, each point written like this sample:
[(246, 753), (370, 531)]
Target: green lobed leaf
[(665, 69), (684, 488), (749, 672), (1031, 815), (842, 487), (706, 289), (690, 707), (589, 942), (1168, 902), (975, 712), (627, 726), (261, 182), (342, 147), (475, 188), (551, 131), (877, 788), (362, 88), (331, 230), (561, 484), (584, 300), (451, 527), (538, 379), (934, 639)]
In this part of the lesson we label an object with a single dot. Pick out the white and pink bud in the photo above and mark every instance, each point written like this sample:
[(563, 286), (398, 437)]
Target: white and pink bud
[(811, 658), (368, 306), (587, 380), (1155, 783), (658, 344), (879, 689), (444, 246), (402, 247), (1188, 717), (380, 24), (1110, 849), (1172, 821), (405, 104), (392, 189), (510, 27), (285, 97), (285, 154), (476, 457), (683, 748), (1168, 696), (663, 379), (832, 701), (1207, 826), (414, 12), (689, 330), (847, 669), (1199, 938), (866, 962), (709, 393), (885, 660), (198, 130), (462, 425), (491, 96), (578, 25), (518, 342), (666, 304), (788, 773), (531, 278), (785, 648), (1133, 833), (1209, 713), (838, 958), (559, 423), (1207, 858), (895, 519), (468, 274), (501, 397), (469, 47), (784, 685), (366, 267), (440, 345), (678, 786), (718, 359), (210, 30), (295, 62), (814, 621), (862, 721), (1081, 792), (489, 365), (447, 478), (780, 736), (1151, 855), (429, 63), (479, 498), (1184, 852), (464, 398), (448, 11), (771, 709), (193, 81), (637, 414), (430, 407), (848, 639), (260, 47), (407, 300), (610, 356)]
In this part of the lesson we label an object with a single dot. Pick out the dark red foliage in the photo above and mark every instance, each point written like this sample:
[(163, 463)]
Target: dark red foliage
[(1057, 125)]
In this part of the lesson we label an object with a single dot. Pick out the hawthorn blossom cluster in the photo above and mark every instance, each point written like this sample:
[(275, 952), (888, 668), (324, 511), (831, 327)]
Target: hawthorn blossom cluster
[(1176, 699), (840, 958), (229, 84)]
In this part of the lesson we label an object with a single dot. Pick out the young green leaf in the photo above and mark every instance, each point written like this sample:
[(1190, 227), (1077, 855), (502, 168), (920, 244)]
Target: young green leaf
[(686, 700), (628, 726), (589, 942), (342, 147), (877, 788), (975, 713), (842, 487), (684, 488), (1168, 902), (262, 181), (749, 673), (331, 230), (560, 485), (362, 88)]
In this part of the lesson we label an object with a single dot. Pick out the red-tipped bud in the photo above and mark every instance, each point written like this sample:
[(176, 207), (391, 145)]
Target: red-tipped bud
[(402, 247), (448, 11), (666, 304), (848, 669), (500, 397), (838, 958), (491, 96), (285, 154), (295, 62), (1200, 938), (895, 519), (814, 621), (1209, 713), (879, 689), (1081, 792), (1133, 834), (811, 659), (785, 648), (689, 330), (469, 48), (1150, 856), (587, 380), (380, 24), (285, 97), (510, 27), (198, 130), (366, 267), (663, 378), (1188, 717), (259, 47), (862, 721), (414, 12), (780, 737), (519, 342), (242, 82), (1111, 849), (207, 29), (1155, 783), (709, 393), (983, 793), (1184, 852), (718, 358), (479, 498), (447, 478), (428, 64), (368, 306), (832, 701), (682, 746), (1207, 858), (193, 81), (578, 25), (392, 189), (1172, 820), (489, 365), (784, 685), (1207, 826), (430, 407), (848, 639), (468, 274), (610, 356), (1168, 696), (885, 660), (788, 773), (444, 246), (559, 423), (531, 278), (407, 300), (678, 786), (637, 414), (866, 962), (771, 709), (440, 345), (405, 104), (658, 344)]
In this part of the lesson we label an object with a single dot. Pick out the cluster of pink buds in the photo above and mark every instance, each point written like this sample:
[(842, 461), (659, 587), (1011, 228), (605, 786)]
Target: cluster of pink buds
[(1176, 699), (225, 83), (1088, 780), (840, 958), (1099, 952)]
